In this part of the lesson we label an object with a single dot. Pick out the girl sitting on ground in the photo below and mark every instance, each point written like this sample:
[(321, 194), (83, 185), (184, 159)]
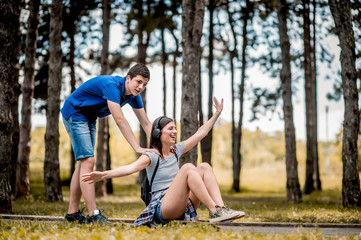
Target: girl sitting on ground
[(176, 193)]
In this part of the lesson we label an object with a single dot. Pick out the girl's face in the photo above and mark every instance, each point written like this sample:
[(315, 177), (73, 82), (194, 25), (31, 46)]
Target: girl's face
[(169, 133)]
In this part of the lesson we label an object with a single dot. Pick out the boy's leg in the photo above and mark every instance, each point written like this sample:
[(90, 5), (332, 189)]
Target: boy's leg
[(75, 191), (175, 200), (86, 166)]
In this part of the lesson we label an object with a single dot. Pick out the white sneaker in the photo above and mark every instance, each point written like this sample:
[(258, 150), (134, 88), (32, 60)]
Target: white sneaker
[(224, 213)]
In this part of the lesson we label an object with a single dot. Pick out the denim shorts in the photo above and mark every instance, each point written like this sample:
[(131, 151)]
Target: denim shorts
[(158, 214), (82, 136)]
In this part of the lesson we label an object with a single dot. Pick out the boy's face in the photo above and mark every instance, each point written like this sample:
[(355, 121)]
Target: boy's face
[(136, 85)]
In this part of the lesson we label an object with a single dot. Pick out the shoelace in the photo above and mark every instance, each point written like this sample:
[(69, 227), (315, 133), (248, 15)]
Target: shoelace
[(100, 213)]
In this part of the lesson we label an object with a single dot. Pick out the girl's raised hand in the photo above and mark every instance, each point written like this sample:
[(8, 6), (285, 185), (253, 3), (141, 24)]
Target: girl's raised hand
[(218, 105)]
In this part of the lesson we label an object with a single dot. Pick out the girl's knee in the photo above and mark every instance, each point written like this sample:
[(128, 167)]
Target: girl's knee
[(204, 166), (188, 167)]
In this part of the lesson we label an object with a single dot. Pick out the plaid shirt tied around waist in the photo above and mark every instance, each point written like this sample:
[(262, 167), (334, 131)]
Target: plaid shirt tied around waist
[(147, 216)]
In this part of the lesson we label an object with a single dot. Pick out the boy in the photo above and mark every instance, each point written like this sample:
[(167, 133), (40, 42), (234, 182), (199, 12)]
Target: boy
[(100, 97)]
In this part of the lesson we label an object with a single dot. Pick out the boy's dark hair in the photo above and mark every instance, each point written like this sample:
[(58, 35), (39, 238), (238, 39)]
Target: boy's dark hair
[(155, 142), (139, 69)]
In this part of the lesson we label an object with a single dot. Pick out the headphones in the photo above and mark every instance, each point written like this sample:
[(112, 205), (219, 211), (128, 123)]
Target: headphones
[(156, 131)]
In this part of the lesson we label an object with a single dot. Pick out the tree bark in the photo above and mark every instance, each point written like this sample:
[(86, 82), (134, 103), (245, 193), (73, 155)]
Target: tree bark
[(293, 187), (100, 187), (143, 43), (341, 13), (72, 89), (23, 170), (238, 130), (206, 143), (192, 24), (16, 130), (164, 61), (175, 55), (9, 53), (310, 91), (316, 170), (103, 131), (51, 164)]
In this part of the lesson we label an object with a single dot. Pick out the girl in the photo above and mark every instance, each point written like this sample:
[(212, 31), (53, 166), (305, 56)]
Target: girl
[(176, 193)]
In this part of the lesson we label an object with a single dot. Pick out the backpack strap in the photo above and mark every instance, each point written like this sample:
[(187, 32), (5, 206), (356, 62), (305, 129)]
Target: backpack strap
[(155, 171)]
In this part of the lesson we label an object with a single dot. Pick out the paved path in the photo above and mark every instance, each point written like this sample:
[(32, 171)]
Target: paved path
[(327, 229)]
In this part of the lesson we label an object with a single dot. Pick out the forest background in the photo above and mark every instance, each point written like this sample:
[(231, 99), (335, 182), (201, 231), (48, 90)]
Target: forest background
[(240, 40)]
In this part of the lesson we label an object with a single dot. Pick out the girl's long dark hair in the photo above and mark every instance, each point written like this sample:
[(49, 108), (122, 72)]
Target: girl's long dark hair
[(155, 142)]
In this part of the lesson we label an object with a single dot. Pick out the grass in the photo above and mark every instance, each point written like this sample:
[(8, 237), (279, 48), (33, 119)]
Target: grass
[(260, 204), (36, 230), (263, 195)]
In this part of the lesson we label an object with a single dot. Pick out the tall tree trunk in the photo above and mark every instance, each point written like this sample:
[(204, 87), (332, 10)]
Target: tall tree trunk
[(22, 170), (206, 143), (293, 187), (236, 157), (103, 132), (164, 61), (72, 89), (109, 182), (175, 55), (235, 162), (192, 24), (100, 187), (9, 52), (310, 92), (16, 130), (316, 169), (51, 164), (238, 130), (341, 13), (200, 107), (143, 140)]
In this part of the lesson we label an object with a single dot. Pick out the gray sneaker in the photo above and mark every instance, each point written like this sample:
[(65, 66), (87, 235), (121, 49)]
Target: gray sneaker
[(97, 217), (223, 214)]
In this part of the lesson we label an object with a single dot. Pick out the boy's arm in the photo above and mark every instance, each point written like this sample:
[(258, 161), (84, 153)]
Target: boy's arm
[(205, 128), (144, 121), (142, 162), (125, 128)]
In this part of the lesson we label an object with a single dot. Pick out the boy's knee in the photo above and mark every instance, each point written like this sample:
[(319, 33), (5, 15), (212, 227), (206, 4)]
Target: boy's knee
[(87, 162)]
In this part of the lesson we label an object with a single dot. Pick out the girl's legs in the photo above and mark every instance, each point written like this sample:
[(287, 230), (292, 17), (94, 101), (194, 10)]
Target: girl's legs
[(187, 179), (211, 184)]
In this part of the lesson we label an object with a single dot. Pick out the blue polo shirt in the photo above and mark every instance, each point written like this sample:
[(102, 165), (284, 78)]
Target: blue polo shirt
[(89, 101)]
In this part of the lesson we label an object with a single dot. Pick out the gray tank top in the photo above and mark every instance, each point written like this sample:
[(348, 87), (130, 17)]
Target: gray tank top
[(167, 169)]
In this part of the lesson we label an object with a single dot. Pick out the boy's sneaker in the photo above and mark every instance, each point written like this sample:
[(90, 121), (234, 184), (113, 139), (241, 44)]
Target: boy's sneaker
[(223, 214), (97, 217), (78, 216)]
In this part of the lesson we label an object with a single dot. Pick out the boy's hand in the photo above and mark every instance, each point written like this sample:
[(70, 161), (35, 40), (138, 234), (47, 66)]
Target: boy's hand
[(92, 177), (173, 149), (144, 150)]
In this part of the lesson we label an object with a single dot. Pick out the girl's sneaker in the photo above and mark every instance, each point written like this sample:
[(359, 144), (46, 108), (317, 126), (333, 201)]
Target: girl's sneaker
[(223, 214)]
